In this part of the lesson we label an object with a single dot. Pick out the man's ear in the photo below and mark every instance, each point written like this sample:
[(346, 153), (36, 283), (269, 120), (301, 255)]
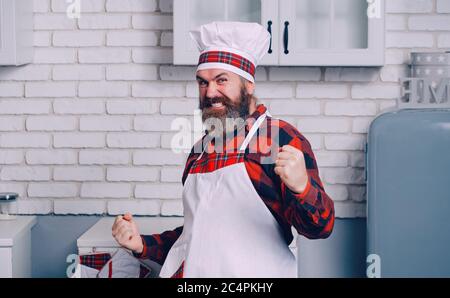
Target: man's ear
[(249, 87)]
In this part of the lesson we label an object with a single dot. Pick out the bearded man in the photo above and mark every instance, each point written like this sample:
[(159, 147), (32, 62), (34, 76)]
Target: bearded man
[(238, 210)]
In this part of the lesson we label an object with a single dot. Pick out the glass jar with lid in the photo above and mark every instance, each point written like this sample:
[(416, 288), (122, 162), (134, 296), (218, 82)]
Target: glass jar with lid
[(8, 205)]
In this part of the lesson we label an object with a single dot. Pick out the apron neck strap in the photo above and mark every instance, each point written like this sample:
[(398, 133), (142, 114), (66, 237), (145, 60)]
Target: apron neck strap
[(250, 134), (252, 131)]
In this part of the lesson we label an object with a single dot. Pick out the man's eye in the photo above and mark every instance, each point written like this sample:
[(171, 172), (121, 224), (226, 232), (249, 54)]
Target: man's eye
[(221, 80), (202, 83)]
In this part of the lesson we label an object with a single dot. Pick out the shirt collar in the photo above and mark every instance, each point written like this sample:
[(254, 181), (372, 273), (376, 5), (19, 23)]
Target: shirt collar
[(260, 109)]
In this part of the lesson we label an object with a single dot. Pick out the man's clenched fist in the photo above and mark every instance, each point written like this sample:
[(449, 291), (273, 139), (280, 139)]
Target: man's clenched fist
[(126, 233), (290, 166)]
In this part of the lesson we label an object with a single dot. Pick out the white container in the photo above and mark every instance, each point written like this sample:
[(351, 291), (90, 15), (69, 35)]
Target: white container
[(15, 247), (8, 205)]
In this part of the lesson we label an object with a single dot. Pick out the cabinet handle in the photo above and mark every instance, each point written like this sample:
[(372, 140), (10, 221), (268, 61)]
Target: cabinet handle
[(269, 28), (286, 37)]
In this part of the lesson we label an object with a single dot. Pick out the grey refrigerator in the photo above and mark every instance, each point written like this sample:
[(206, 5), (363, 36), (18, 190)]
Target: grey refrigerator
[(408, 192)]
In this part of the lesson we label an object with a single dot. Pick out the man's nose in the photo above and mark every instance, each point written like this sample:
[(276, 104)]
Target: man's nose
[(212, 91)]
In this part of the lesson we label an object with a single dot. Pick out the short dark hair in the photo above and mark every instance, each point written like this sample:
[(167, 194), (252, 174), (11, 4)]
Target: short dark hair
[(243, 81)]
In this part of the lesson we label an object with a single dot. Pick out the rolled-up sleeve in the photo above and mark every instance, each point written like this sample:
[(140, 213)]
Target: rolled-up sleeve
[(310, 212)]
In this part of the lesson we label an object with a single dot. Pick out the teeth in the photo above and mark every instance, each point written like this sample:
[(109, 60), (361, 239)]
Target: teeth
[(217, 105)]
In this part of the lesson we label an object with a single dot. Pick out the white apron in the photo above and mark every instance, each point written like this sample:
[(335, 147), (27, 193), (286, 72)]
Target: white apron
[(228, 230)]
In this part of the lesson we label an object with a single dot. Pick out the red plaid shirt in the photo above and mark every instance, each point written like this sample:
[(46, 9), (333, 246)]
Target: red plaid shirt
[(311, 212)]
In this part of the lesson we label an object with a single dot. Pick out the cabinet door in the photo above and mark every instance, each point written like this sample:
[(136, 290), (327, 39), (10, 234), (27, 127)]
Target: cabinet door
[(189, 14), (16, 32), (6, 262), (332, 32), (7, 32)]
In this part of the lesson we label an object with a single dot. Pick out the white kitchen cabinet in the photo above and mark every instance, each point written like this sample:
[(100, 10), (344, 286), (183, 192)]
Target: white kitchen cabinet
[(332, 32), (304, 32), (15, 246), (16, 32), (189, 14)]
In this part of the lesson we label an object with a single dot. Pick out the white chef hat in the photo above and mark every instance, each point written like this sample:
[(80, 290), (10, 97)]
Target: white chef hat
[(233, 46)]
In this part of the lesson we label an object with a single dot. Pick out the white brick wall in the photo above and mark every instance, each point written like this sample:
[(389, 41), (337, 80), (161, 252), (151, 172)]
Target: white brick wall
[(429, 23), (77, 72), (321, 91), (104, 157), (171, 174), (54, 55), (293, 107), (136, 207), (131, 73), (41, 39), (131, 5), (52, 190), (158, 191), (11, 123), (105, 123), (78, 38), (91, 6), (24, 107), (8, 157), (78, 173), (350, 108), (158, 89), (25, 173), (113, 190), (158, 157), (86, 128), (132, 140), (353, 74), (396, 39), (409, 6), (64, 207), (50, 89), (172, 208), (51, 123), (443, 6), (109, 21), (324, 125), (132, 174), (79, 140), (25, 140), (79, 106), (51, 157), (29, 72), (294, 74), (132, 106)]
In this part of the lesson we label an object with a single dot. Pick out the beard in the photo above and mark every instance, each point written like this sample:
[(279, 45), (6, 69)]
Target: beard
[(233, 114)]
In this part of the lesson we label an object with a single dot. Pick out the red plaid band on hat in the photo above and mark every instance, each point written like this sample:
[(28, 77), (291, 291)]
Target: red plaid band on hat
[(228, 58)]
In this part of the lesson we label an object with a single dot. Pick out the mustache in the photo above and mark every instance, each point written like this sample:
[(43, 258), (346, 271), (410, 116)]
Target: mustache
[(208, 102)]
